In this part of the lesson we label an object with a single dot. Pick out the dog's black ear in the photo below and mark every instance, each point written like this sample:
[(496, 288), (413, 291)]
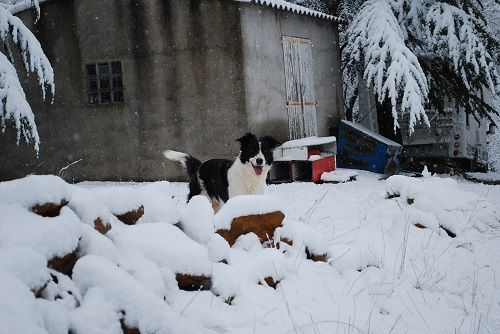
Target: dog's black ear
[(270, 142), (246, 138)]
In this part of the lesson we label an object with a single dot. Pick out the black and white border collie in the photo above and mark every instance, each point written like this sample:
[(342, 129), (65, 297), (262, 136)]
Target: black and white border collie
[(221, 179)]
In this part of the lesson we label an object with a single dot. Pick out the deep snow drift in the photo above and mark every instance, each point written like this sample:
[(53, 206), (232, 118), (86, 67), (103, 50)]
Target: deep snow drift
[(405, 255)]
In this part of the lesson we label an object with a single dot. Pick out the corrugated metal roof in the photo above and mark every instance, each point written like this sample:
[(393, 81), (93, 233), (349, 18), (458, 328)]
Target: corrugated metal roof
[(277, 4), (290, 7)]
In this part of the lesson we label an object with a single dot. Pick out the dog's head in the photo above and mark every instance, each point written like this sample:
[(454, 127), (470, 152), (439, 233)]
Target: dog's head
[(257, 154)]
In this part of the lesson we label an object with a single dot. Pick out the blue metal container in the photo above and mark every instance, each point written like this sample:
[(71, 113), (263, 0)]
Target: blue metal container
[(361, 148)]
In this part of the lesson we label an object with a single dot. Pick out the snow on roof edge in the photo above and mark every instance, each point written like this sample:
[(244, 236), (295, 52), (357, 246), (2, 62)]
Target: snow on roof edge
[(288, 6), (374, 134), (276, 4), (308, 141)]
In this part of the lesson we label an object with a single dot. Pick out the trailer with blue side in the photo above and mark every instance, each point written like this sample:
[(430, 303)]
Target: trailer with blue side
[(361, 148)]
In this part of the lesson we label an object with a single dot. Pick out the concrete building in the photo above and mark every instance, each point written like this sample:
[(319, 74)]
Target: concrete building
[(134, 78)]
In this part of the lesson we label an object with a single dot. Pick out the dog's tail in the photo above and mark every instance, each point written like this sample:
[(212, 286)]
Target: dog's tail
[(191, 164)]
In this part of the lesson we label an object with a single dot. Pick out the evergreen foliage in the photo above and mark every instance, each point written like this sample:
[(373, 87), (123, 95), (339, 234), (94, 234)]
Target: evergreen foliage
[(14, 109), (415, 53)]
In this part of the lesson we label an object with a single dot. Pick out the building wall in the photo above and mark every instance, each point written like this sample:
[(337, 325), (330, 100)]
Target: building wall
[(191, 83), (182, 76), (264, 68)]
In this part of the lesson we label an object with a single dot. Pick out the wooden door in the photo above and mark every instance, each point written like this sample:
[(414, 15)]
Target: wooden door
[(299, 81)]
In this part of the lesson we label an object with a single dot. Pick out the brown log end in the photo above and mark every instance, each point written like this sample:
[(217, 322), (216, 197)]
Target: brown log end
[(126, 329), (131, 217), (316, 257), (49, 209), (263, 225), (193, 282), (270, 282), (64, 264), (285, 241), (100, 226)]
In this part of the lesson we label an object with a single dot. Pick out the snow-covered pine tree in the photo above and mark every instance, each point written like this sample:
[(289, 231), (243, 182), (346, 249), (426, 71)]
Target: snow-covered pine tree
[(16, 111), (413, 53), (376, 45)]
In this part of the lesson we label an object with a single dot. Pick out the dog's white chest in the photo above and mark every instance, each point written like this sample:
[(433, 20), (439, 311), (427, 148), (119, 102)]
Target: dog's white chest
[(243, 181)]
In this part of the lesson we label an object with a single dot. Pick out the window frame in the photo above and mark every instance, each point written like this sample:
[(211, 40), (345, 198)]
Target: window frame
[(104, 78)]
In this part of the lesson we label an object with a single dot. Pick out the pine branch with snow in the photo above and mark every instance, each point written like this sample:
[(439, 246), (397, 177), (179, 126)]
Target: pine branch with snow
[(16, 6), (453, 37), (390, 67), (411, 17), (460, 61), (15, 108)]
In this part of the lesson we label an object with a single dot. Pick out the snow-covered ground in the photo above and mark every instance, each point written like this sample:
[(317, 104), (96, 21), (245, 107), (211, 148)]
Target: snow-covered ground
[(384, 274)]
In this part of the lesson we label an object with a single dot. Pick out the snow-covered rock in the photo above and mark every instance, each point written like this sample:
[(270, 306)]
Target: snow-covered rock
[(18, 307), (339, 176), (35, 189), (303, 237), (196, 219), (51, 237), (143, 309), (26, 265), (166, 246)]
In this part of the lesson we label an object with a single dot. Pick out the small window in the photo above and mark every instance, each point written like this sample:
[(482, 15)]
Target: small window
[(93, 86), (93, 98), (104, 83), (105, 97), (117, 82), (103, 69)]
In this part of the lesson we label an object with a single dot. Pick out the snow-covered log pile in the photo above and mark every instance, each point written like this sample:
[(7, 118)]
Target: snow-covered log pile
[(432, 202), (118, 255)]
